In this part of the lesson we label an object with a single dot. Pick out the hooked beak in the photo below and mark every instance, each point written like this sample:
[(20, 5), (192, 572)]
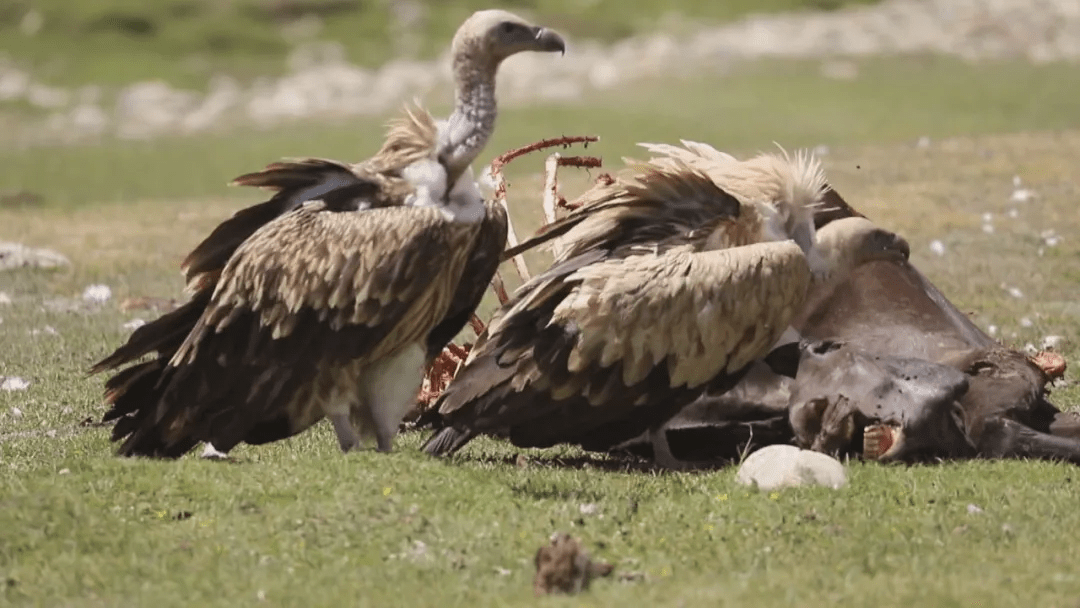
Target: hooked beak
[(896, 248), (548, 41)]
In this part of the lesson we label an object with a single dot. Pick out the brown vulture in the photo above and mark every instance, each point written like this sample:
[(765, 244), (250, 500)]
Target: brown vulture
[(668, 281), (330, 298)]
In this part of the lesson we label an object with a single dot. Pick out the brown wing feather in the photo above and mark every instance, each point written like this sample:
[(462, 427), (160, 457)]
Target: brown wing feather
[(311, 289), (480, 267), (409, 138), (645, 205), (593, 354)]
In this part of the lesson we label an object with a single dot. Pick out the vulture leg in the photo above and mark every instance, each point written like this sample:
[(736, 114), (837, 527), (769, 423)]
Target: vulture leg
[(662, 451), (392, 386), (212, 453), (347, 436), (1005, 438)]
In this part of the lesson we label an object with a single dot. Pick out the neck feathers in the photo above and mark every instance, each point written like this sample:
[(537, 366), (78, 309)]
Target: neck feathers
[(473, 120)]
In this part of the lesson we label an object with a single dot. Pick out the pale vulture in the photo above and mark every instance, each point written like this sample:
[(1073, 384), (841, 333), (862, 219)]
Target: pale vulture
[(330, 298), (669, 281)]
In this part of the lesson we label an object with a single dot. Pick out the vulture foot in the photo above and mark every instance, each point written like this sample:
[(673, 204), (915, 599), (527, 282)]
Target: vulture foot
[(211, 453), (347, 436), (662, 455)]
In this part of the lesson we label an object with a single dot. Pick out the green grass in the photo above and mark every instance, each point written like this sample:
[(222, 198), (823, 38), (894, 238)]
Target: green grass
[(297, 523), (186, 41)]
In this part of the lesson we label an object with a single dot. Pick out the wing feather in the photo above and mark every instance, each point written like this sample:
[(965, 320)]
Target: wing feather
[(263, 338), (646, 332), (480, 267)]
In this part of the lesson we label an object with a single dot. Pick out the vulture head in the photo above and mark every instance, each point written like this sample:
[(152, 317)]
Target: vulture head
[(494, 35), (853, 241)]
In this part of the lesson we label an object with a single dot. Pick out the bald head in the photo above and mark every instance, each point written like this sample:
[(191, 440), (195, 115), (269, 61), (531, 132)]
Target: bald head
[(853, 241), (490, 36)]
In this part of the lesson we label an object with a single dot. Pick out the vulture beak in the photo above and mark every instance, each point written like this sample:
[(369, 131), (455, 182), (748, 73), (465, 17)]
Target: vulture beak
[(901, 247), (893, 247), (549, 42)]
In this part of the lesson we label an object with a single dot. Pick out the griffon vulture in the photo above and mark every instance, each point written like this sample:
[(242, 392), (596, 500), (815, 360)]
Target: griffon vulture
[(331, 297), (670, 281)]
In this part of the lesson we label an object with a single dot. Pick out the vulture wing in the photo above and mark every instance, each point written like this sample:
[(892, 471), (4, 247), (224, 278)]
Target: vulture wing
[(480, 267), (647, 206), (312, 290), (596, 352)]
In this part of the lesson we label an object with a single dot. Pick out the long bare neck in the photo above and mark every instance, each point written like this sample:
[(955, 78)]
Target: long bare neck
[(473, 119)]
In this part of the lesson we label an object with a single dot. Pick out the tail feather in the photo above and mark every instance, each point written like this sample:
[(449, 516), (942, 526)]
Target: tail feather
[(447, 441), (162, 335)]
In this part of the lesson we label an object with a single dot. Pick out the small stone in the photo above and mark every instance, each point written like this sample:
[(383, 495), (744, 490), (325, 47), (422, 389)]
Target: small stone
[(781, 466), (64, 472), (974, 509), (1026, 322), (1022, 195), (937, 247), (14, 383), (923, 142), (17, 255), (1052, 342), (992, 330), (97, 293), (134, 324), (588, 508), (51, 433), (4, 298)]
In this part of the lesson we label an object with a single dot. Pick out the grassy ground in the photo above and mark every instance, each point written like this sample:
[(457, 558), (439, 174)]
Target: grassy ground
[(186, 41), (297, 523)]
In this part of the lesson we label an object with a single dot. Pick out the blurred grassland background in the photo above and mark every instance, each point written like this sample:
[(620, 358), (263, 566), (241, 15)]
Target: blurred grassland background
[(973, 161)]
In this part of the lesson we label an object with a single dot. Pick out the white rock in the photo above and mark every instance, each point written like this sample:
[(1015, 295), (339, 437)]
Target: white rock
[(17, 255), (588, 508), (781, 466), (13, 83), (937, 247), (134, 324), (1052, 342), (16, 412), (1026, 322), (14, 383), (1022, 195), (992, 330), (1013, 213), (974, 509), (988, 228), (1016, 293), (923, 142), (4, 298), (97, 293)]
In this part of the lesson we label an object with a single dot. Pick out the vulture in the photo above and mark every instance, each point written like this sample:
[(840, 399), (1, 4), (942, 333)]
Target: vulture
[(330, 298), (668, 281)]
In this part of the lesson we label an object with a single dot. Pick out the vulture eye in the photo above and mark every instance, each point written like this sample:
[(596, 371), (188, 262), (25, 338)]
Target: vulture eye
[(507, 27)]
